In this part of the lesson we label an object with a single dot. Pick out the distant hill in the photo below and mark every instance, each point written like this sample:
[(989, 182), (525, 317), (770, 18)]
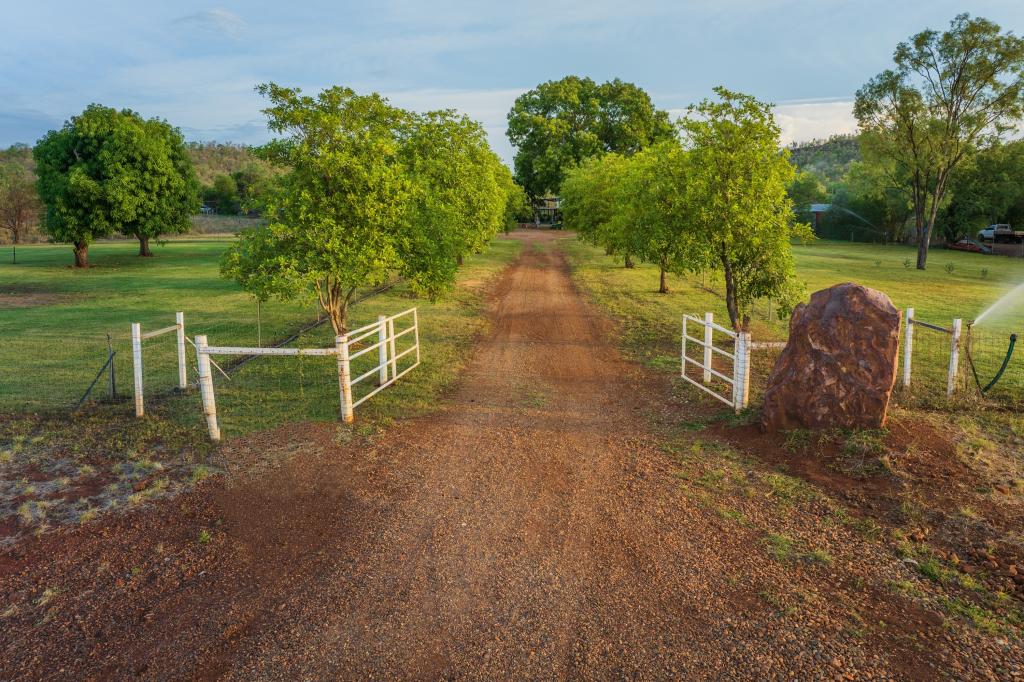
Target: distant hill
[(828, 159), (211, 159)]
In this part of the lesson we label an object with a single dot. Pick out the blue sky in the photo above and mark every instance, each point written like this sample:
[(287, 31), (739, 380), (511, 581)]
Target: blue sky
[(195, 63)]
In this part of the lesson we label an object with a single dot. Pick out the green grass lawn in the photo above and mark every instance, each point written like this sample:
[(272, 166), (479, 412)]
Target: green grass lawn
[(54, 346), (651, 321)]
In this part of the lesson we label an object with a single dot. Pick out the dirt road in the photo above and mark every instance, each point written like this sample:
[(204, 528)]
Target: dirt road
[(530, 528)]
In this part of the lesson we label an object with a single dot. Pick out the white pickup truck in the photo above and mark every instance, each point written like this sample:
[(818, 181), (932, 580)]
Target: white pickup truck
[(994, 233)]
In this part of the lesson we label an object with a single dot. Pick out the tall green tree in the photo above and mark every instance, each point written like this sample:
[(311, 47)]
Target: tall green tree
[(459, 197), (558, 124), (590, 196), (948, 95), (112, 171), (651, 204), (737, 199), (371, 191)]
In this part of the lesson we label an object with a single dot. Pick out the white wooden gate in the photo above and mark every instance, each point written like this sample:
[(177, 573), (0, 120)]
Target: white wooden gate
[(736, 377), (347, 348), (138, 337), (952, 368)]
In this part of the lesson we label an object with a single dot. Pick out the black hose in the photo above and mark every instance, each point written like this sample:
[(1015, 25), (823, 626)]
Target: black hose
[(1006, 361)]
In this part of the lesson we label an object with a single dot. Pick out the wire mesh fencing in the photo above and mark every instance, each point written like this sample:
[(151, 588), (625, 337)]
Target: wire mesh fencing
[(43, 372)]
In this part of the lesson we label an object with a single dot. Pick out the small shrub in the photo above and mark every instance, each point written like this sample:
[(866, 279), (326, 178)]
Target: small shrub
[(818, 556), (865, 442), (204, 537), (984, 273), (782, 547), (950, 268), (797, 439), (907, 263)]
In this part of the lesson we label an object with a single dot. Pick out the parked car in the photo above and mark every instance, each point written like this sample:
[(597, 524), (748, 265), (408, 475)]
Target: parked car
[(966, 244)]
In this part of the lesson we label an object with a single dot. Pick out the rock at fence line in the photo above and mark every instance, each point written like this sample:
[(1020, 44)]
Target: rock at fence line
[(839, 366)]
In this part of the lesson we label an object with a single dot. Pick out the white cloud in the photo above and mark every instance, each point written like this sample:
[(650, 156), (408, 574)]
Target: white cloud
[(219, 22), (809, 120)]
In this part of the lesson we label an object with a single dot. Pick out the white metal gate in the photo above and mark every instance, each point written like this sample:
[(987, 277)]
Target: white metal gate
[(736, 378), (347, 348)]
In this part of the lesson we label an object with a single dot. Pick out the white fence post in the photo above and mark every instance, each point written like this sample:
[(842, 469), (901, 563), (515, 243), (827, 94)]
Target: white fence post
[(682, 351), (741, 371), (206, 387), (344, 378), (416, 334), (382, 350), (391, 345), (954, 357), (182, 371), (709, 338), (908, 346), (137, 367)]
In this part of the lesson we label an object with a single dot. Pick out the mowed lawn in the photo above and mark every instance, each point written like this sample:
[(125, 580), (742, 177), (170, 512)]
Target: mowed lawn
[(55, 319), (651, 321)]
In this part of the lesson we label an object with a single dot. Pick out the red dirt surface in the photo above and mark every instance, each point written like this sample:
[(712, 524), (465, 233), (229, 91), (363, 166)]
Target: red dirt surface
[(530, 528)]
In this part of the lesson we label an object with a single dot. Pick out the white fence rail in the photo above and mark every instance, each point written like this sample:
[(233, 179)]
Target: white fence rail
[(347, 348), (737, 377), (138, 337), (954, 333)]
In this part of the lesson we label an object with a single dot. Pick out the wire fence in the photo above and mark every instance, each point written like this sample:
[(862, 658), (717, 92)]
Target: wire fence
[(982, 354), (44, 373)]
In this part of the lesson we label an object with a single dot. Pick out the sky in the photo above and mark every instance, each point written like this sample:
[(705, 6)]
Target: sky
[(196, 63)]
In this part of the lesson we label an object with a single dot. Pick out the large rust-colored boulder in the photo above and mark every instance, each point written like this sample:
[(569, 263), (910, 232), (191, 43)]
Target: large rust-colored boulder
[(839, 366)]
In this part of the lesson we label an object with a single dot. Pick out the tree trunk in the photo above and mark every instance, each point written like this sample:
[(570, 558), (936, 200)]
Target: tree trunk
[(144, 247), (608, 250), (458, 259), (730, 293), (663, 288), (933, 212), (81, 254), (335, 303), (922, 248), (629, 261)]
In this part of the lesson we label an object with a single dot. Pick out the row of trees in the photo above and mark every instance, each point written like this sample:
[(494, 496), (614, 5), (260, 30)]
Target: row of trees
[(713, 198), (370, 191), (867, 205)]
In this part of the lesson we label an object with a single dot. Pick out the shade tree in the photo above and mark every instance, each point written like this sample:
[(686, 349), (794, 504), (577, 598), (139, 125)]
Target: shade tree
[(370, 191), (558, 124), (948, 95), (108, 171), (737, 200)]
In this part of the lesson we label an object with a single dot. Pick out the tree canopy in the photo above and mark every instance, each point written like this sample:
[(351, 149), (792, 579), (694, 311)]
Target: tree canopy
[(738, 199), (112, 171), (948, 95), (716, 202), (370, 191), (558, 124)]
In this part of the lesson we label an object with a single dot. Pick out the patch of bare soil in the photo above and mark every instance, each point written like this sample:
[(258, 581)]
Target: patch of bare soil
[(914, 478), (24, 296), (532, 528)]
